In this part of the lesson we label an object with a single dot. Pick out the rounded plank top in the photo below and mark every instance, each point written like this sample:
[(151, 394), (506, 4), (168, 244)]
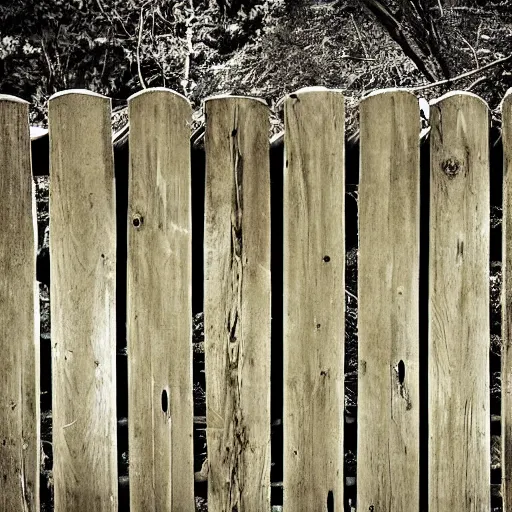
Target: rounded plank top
[(390, 92), (12, 99), (75, 92), (309, 91), (458, 96), (234, 97), (151, 100), (300, 105), (82, 102), (156, 91)]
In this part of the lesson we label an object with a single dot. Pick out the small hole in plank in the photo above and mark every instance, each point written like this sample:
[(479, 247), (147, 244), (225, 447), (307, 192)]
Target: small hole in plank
[(137, 221), (165, 401), (330, 502), (327, 259), (401, 371)]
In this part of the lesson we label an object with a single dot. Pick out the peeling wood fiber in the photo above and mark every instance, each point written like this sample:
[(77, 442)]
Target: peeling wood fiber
[(237, 304)]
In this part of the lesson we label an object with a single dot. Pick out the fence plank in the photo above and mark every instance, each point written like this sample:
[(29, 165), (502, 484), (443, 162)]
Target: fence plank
[(388, 325), (237, 304), (506, 304), (314, 305), (83, 270), (459, 427), (19, 316), (159, 304)]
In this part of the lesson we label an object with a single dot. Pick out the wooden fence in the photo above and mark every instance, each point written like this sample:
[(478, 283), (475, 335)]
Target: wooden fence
[(237, 305)]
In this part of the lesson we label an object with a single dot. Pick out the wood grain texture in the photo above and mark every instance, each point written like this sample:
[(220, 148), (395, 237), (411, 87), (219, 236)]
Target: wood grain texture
[(159, 304), (314, 300), (388, 317), (506, 305), (83, 270), (19, 316), (458, 367), (237, 304)]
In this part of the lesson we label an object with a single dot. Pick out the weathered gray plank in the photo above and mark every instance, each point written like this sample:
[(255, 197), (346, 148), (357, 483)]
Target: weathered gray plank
[(19, 316), (314, 300), (458, 366), (506, 305), (83, 270), (159, 307), (237, 304), (388, 317)]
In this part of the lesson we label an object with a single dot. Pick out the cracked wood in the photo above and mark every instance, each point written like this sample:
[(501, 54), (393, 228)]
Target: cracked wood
[(237, 304)]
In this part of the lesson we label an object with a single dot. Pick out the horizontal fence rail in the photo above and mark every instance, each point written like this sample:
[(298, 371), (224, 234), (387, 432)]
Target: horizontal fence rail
[(423, 386)]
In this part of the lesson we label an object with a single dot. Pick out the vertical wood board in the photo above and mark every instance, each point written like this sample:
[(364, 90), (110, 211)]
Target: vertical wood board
[(388, 316), (506, 304), (159, 304), (19, 316), (83, 270), (237, 304), (458, 366), (314, 300)]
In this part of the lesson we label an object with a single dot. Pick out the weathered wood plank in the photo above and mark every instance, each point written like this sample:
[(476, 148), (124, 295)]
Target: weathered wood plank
[(458, 366), (83, 270), (388, 298), (237, 304), (159, 304), (506, 305), (19, 316), (314, 300)]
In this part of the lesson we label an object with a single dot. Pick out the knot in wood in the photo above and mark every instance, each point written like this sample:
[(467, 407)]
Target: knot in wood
[(137, 221), (451, 167)]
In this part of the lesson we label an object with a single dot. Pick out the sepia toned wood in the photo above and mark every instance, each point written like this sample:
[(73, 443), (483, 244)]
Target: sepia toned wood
[(19, 316), (159, 304), (506, 308), (458, 366), (388, 298), (314, 300), (83, 270), (237, 304)]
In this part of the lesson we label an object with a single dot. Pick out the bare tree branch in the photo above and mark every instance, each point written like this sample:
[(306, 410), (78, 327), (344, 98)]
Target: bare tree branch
[(463, 75), (141, 24), (394, 29)]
